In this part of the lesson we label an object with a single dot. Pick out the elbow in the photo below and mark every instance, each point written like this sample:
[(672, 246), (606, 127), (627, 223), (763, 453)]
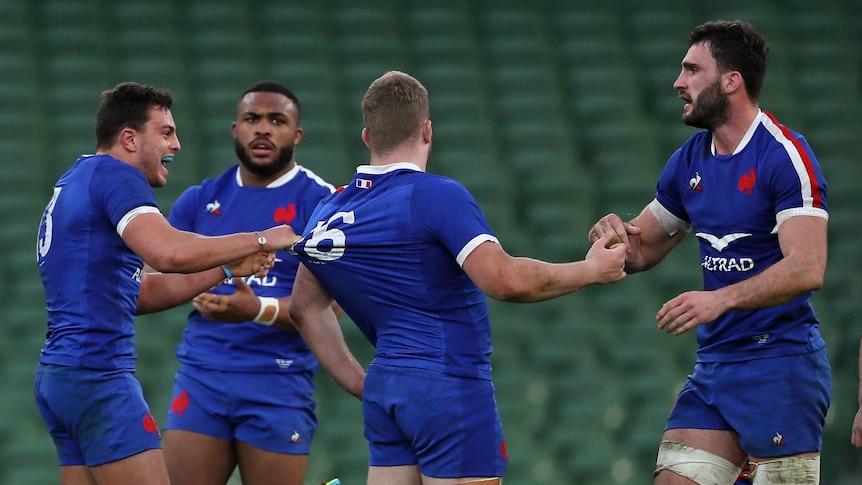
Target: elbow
[(172, 262), (811, 278), (814, 282), (510, 291)]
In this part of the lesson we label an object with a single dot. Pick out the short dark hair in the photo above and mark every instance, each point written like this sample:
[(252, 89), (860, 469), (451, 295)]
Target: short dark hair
[(127, 105), (394, 107), (736, 46), (273, 87)]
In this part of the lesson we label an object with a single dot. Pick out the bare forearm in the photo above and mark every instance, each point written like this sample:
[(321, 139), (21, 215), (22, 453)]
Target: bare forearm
[(322, 333), (531, 280), (162, 291), (285, 322), (777, 284), (173, 251), (197, 253)]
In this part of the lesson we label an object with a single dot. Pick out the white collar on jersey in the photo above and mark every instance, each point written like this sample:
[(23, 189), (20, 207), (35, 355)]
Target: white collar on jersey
[(745, 139), (287, 177), (381, 169)]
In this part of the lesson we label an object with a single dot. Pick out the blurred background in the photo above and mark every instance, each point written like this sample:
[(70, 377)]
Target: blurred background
[(553, 113)]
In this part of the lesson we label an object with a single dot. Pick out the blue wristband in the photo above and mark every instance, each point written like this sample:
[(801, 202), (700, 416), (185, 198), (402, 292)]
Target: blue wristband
[(227, 272)]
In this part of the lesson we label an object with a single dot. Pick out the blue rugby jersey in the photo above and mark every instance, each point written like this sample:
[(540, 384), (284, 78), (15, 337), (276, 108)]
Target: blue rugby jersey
[(734, 204), (224, 206), (91, 278), (389, 248)]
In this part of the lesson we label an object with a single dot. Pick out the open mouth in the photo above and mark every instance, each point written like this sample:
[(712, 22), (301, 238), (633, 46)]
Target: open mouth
[(261, 148)]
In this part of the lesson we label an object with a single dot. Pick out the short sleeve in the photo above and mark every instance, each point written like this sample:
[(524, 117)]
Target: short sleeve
[(444, 210)]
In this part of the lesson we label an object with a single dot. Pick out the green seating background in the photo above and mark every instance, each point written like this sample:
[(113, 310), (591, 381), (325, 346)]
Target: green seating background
[(552, 113)]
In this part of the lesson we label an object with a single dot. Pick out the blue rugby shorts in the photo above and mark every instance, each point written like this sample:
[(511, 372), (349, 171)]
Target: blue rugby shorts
[(271, 411), (447, 425), (94, 416), (776, 405)]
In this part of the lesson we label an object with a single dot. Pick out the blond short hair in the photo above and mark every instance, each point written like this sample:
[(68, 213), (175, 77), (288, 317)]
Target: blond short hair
[(393, 109)]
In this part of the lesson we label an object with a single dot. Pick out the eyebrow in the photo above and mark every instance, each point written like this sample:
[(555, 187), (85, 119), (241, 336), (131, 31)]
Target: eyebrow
[(689, 65), (269, 114)]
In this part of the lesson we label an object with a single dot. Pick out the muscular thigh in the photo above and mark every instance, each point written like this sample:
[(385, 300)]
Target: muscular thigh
[(262, 467)]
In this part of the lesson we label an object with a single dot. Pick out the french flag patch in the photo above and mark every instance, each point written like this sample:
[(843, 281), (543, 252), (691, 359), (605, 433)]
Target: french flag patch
[(363, 183)]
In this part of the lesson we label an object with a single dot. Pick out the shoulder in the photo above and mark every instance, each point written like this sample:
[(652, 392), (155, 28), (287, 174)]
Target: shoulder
[(440, 182), (315, 180), (108, 166)]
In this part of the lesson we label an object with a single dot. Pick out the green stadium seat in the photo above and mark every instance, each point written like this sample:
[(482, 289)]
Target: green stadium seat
[(552, 114), (442, 34)]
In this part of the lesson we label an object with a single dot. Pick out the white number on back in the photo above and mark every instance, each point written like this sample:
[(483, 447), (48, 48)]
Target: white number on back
[(324, 233), (46, 232)]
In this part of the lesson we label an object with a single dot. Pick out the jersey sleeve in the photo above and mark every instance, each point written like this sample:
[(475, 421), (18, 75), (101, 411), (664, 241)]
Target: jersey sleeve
[(444, 210), (124, 193), (797, 183), (667, 206), (668, 187)]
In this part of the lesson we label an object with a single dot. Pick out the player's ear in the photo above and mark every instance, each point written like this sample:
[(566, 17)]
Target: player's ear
[(298, 137), (732, 81), (365, 138), (426, 131), (127, 139)]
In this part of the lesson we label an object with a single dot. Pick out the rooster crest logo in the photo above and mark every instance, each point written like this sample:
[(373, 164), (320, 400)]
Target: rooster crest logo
[(214, 207), (295, 437), (694, 182), (180, 403), (747, 181)]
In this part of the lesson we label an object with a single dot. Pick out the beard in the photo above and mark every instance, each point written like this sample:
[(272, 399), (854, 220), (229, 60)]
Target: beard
[(710, 110), (266, 169)]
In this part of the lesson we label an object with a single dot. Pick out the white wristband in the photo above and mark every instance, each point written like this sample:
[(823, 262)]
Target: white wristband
[(268, 311)]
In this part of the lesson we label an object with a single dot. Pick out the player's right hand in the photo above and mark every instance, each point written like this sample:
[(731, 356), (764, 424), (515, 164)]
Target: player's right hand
[(257, 264), (280, 237), (613, 224), (241, 306), (608, 259)]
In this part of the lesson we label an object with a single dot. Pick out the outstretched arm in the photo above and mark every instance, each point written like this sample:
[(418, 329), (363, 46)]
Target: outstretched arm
[(170, 250), (507, 278), (161, 291), (311, 311)]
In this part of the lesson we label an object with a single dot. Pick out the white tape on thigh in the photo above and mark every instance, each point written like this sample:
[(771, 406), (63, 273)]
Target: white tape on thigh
[(789, 470), (695, 464)]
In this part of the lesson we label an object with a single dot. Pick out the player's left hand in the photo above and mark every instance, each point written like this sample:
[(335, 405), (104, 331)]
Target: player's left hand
[(241, 306), (689, 310), (257, 264)]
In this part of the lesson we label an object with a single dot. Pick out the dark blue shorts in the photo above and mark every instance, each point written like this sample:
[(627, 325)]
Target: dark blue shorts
[(447, 425), (777, 406), (271, 411), (94, 416)]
